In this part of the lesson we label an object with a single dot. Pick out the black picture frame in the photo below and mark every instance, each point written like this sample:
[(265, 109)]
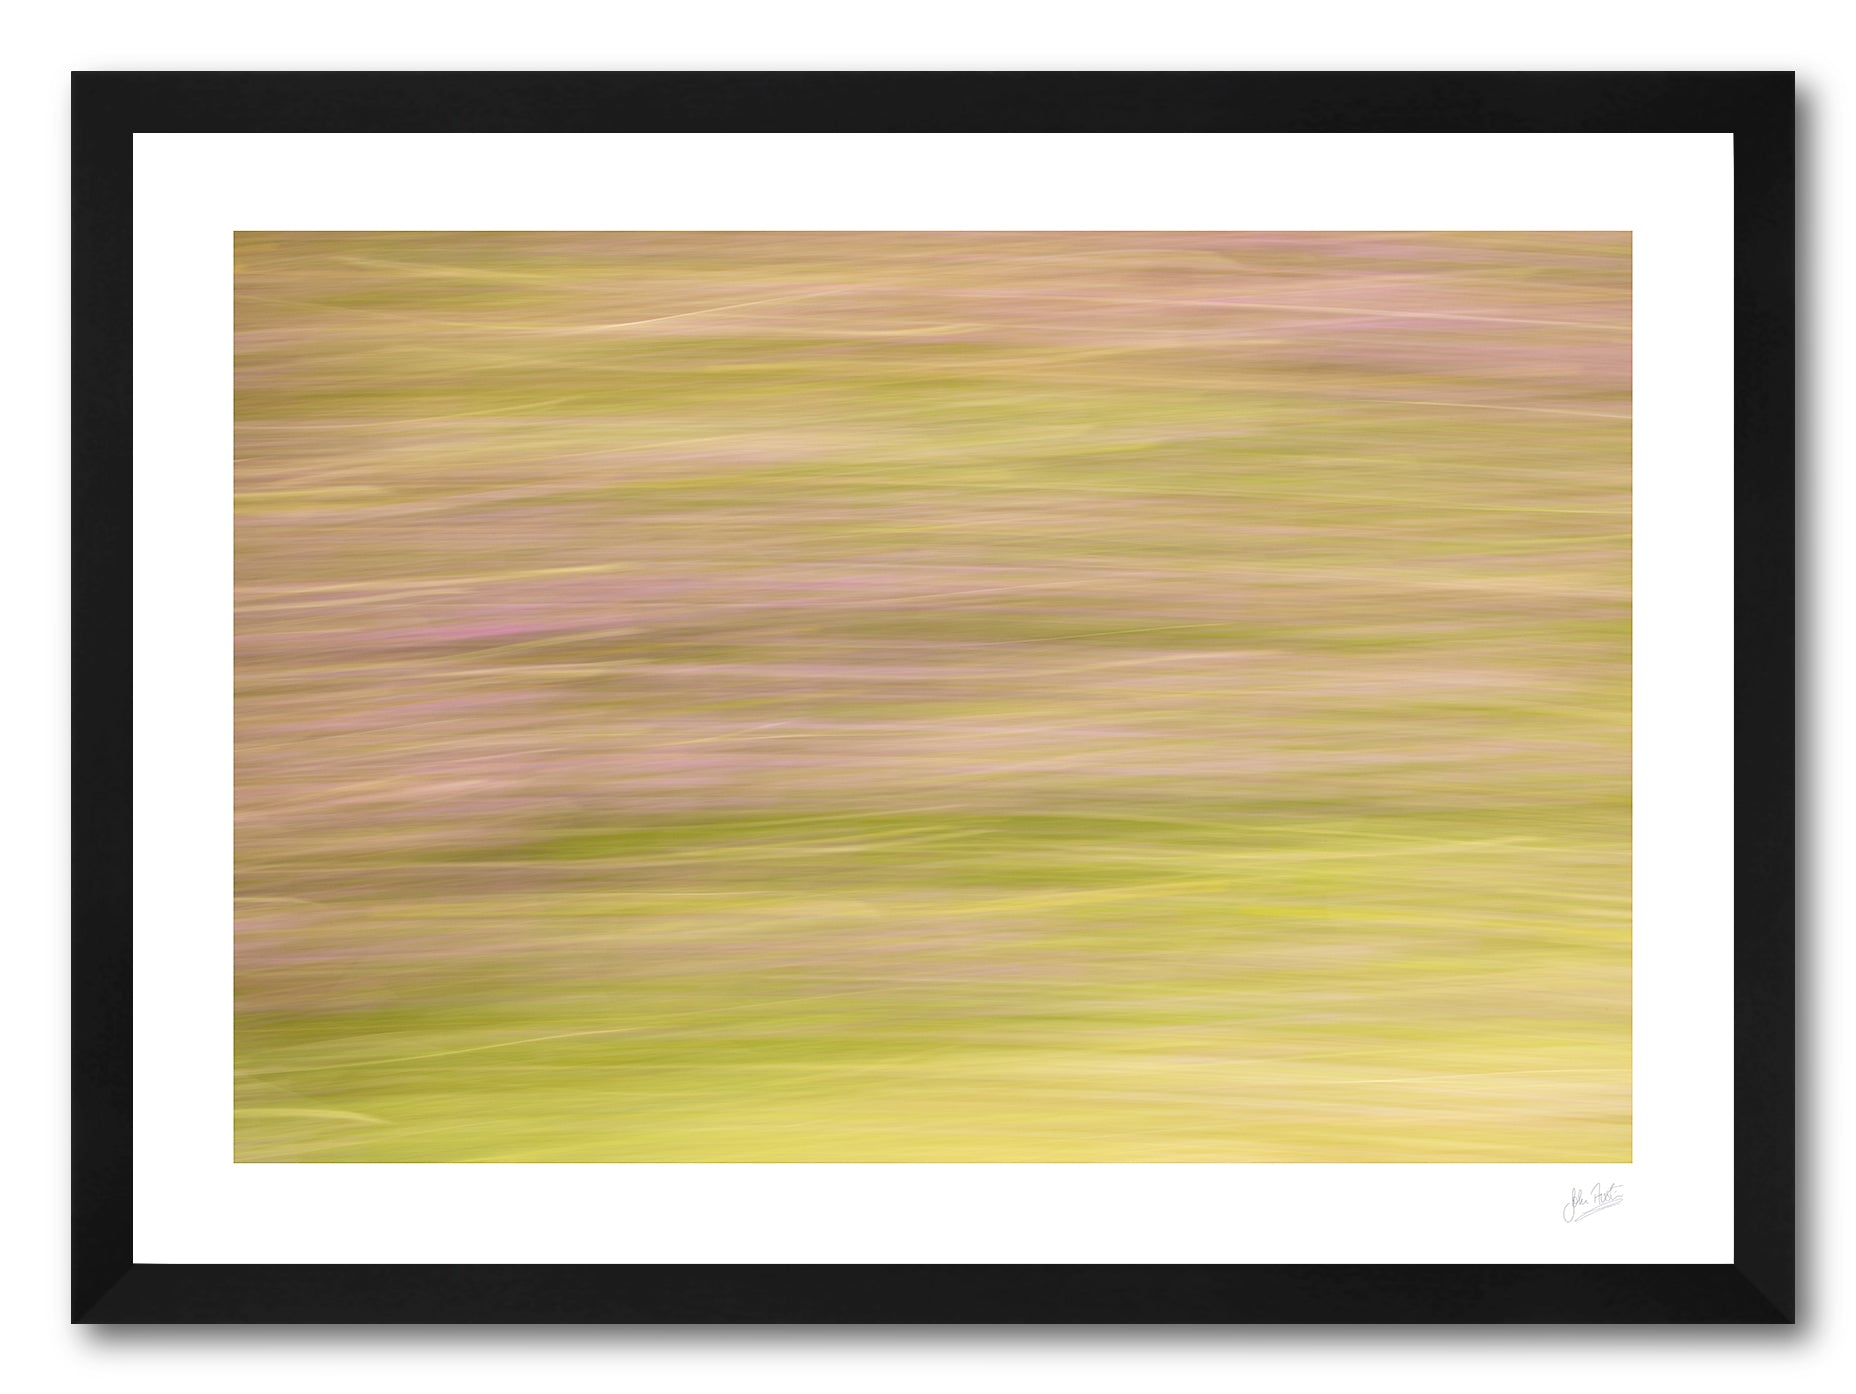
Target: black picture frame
[(1757, 107)]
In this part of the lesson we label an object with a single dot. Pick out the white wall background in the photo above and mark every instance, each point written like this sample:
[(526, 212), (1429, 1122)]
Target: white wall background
[(43, 44)]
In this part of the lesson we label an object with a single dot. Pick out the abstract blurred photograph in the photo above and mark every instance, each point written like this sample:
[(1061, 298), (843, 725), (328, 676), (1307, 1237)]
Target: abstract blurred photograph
[(992, 697)]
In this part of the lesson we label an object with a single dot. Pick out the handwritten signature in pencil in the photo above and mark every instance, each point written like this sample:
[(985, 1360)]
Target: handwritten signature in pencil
[(1601, 1198)]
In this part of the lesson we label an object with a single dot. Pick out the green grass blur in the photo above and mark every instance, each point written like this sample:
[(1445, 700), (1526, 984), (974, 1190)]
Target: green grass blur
[(933, 697)]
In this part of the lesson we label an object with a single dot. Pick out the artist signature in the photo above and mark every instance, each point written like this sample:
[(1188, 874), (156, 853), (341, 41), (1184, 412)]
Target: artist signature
[(1601, 1198)]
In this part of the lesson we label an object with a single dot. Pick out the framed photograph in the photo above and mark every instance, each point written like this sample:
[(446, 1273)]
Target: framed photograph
[(933, 697)]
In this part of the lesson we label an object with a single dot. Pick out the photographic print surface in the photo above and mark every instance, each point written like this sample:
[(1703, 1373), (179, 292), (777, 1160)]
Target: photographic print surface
[(939, 697)]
